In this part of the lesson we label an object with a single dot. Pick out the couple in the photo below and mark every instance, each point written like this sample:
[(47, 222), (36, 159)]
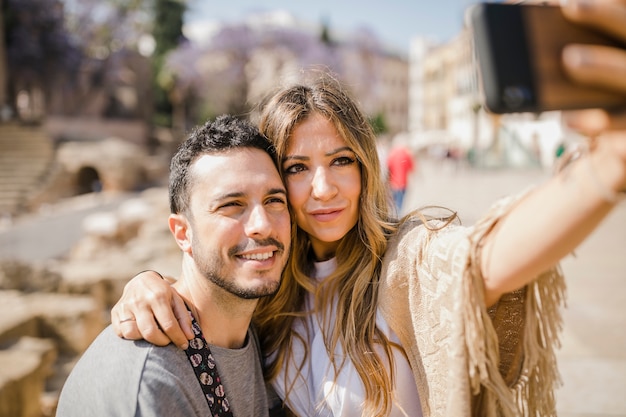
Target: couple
[(382, 317)]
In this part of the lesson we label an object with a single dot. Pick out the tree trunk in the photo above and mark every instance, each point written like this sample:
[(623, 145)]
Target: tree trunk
[(4, 105)]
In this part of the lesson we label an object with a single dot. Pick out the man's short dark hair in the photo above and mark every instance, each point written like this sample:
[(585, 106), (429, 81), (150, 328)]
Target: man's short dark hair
[(225, 133)]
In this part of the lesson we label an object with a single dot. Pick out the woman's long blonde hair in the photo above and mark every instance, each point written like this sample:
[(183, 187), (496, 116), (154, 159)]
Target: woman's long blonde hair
[(354, 284)]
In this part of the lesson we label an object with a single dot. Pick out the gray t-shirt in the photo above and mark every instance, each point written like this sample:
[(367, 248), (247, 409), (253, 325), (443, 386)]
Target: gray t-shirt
[(117, 377)]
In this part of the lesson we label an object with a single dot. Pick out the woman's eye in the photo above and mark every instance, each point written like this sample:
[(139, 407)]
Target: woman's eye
[(293, 169), (344, 160)]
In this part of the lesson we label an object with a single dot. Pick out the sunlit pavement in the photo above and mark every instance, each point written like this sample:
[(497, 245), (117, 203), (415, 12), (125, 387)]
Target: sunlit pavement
[(592, 360)]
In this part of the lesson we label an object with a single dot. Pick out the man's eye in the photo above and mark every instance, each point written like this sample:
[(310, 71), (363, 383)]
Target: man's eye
[(277, 200), (231, 204)]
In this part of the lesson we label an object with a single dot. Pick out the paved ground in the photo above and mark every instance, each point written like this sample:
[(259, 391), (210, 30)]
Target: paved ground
[(53, 231), (592, 360)]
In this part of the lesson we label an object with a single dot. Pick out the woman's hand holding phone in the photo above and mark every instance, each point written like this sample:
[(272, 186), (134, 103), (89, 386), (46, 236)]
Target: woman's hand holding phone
[(597, 65), (604, 67)]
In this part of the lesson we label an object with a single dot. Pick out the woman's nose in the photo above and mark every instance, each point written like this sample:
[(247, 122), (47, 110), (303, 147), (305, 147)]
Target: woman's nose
[(323, 186)]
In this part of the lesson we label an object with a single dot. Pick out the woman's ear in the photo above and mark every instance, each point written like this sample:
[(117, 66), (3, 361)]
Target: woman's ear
[(180, 228)]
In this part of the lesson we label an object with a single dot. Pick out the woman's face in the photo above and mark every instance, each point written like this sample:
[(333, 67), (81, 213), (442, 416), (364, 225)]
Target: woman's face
[(323, 179)]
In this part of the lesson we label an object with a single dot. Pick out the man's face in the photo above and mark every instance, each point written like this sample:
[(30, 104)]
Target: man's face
[(239, 222)]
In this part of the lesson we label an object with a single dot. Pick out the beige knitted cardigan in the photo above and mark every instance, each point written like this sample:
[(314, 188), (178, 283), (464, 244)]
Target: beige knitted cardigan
[(469, 360)]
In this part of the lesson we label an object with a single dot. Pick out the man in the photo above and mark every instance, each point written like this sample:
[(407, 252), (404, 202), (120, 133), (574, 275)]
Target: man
[(229, 217)]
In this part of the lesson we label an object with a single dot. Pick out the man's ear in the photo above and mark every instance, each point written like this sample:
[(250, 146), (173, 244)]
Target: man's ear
[(180, 228)]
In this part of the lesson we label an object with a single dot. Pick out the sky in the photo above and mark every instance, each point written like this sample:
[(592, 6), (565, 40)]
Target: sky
[(395, 22)]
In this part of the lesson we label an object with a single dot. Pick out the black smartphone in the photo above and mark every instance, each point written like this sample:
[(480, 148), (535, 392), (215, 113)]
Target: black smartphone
[(519, 46)]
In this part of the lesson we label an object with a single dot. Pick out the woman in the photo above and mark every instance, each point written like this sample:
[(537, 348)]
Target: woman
[(378, 317)]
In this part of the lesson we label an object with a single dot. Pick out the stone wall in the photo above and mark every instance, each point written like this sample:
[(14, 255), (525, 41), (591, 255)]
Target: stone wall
[(50, 313), (118, 163)]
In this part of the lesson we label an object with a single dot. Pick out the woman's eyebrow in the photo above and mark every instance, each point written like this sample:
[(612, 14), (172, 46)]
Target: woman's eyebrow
[(295, 157), (329, 153), (338, 150)]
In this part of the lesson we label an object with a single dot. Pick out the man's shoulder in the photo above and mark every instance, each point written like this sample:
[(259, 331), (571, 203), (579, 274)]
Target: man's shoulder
[(109, 345), (115, 375), (113, 357), (108, 348)]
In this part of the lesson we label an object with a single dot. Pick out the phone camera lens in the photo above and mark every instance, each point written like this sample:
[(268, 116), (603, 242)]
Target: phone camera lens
[(515, 96)]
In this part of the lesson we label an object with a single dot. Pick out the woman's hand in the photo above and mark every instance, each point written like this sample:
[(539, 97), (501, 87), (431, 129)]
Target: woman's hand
[(147, 300), (596, 65), (602, 67)]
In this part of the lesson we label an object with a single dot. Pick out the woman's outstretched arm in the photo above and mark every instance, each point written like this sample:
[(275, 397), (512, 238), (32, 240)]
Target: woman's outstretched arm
[(554, 219)]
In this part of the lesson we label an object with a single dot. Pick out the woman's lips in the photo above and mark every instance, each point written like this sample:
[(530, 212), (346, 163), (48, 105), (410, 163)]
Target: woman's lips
[(326, 215)]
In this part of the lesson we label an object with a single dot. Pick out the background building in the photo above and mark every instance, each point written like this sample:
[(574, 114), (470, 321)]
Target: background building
[(445, 111)]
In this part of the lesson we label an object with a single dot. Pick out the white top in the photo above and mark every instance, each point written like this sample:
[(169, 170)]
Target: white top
[(316, 393)]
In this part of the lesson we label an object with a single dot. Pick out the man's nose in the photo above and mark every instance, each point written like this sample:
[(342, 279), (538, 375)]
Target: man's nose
[(258, 222)]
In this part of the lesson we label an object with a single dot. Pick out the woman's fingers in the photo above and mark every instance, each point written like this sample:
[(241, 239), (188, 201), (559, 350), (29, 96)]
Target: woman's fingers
[(608, 16), (182, 315), (172, 317), (151, 309), (594, 122), (144, 327), (598, 66), (133, 319)]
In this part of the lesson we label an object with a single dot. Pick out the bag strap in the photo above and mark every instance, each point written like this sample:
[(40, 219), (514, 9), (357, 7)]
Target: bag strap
[(205, 368)]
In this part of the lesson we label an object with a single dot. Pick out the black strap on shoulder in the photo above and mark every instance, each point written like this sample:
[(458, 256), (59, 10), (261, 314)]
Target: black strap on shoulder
[(205, 368)]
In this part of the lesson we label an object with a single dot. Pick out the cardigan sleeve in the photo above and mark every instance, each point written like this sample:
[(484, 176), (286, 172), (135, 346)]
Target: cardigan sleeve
[(469, 360)]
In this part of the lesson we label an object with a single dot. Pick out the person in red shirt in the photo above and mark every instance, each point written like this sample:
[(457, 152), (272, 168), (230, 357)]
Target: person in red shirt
[(400, 164)]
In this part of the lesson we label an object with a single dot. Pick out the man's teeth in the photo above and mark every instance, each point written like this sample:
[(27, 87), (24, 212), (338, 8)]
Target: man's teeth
[(258, 256)]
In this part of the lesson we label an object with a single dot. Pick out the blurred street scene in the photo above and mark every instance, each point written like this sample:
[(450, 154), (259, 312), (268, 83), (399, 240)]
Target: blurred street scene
[(96, 95)]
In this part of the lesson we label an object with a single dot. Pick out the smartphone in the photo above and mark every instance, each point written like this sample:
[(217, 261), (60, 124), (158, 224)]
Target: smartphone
[(519, 46)]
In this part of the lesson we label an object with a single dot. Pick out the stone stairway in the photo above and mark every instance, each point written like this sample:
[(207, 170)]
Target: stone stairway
[(26, 156)]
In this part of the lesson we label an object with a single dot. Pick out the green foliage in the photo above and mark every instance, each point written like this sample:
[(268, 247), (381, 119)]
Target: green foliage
[(325, 37), (379, 124), (168, 25), (168, 34)]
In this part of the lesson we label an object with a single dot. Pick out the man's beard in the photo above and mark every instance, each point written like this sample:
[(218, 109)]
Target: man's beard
[(212, 266)]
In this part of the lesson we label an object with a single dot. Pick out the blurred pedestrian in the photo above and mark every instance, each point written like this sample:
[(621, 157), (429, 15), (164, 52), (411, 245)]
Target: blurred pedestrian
[(400, 165)]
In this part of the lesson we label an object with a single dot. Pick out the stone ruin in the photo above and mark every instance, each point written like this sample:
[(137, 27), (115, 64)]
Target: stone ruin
[(51, 312)]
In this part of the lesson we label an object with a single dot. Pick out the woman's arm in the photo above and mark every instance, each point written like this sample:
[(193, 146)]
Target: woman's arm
[(554, 219), (151, 309)]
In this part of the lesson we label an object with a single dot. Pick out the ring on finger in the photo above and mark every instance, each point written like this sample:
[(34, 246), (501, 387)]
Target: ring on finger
[(127, 319)]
